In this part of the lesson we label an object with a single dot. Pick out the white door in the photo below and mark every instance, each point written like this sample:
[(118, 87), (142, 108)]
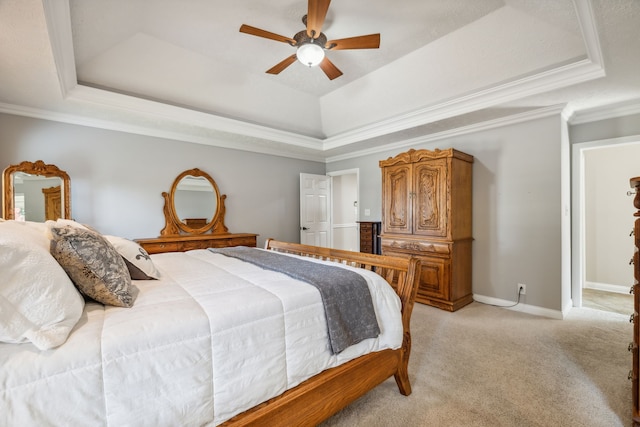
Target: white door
[(315, 210)]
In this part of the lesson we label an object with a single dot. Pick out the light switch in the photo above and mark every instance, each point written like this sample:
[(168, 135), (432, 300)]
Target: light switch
[(367, 212)]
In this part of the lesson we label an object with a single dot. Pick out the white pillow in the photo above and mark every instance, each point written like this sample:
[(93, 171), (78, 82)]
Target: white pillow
[(38, 301), (137, 259)]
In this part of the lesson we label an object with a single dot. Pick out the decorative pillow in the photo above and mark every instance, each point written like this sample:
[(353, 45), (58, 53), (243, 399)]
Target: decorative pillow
[(135, 257), (38, 302), (94, 265)]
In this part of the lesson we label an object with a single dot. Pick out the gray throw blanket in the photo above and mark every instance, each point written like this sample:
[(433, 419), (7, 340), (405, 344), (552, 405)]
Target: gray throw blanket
[(347, 301)]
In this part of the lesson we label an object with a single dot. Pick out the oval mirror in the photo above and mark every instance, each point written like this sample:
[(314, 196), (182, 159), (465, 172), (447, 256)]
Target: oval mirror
[(194, 205), (195, 201), (35, 191)]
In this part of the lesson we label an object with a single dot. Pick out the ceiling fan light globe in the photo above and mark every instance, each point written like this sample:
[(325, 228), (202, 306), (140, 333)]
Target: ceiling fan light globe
[(310, 54)]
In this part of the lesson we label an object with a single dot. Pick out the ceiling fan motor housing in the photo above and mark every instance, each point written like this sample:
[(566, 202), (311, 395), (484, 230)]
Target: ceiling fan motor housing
[(302, 38)]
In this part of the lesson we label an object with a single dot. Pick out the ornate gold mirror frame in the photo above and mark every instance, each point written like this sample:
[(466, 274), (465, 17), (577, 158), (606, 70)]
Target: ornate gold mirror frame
[(41, 169), (174, 225)]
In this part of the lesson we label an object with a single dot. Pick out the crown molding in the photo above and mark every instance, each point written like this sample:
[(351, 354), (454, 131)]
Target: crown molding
[(570, 74), (452, 133), (626, 108), (587, 21), (316, 157), (75, 119), (170, 113)]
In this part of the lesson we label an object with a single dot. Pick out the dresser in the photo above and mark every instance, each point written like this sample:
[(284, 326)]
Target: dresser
[(200, 241), (635, 289), (426, 213), (370, 237)]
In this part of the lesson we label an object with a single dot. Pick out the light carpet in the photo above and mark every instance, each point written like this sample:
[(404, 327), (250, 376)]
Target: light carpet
[(488, 366)]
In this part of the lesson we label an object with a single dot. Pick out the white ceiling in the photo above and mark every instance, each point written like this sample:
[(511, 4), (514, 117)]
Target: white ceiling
[(180, 69)]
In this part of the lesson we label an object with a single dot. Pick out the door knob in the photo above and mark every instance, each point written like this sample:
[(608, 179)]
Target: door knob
[(303, 228)]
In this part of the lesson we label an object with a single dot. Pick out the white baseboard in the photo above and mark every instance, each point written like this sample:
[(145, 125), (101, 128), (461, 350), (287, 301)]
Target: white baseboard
[(521, 307), (619, 289)]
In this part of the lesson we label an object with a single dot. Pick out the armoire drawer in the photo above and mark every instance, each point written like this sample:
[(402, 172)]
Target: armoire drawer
[(416, 246)]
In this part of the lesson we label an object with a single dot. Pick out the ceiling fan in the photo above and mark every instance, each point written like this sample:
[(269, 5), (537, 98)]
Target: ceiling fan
[(312, 43)]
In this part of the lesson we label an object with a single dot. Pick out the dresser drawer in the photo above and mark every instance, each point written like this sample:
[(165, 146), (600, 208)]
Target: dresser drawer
[(234, 241), (160, 247), (195, 244)]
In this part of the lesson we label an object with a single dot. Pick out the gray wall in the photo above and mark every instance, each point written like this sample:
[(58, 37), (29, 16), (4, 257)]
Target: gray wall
[(516, 206), (117, 178)]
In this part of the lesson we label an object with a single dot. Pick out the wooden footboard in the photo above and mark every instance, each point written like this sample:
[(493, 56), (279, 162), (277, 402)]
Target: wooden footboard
[(330, 391)]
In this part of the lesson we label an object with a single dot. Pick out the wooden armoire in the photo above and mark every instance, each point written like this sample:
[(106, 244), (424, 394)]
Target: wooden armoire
[(635, 319), (426, 212)]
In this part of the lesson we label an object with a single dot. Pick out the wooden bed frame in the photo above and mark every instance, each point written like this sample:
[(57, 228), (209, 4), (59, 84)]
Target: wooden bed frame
[(330, 391)]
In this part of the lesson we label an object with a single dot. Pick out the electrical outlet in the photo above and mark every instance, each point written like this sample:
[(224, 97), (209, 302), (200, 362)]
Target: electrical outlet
[(522, 289)]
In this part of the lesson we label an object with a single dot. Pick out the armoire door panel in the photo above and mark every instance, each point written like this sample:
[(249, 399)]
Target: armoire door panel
[(397, 214), (430, 189)]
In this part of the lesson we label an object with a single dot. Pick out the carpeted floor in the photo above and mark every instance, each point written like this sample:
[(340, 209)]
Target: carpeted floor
[(487, 366), (607, 301)]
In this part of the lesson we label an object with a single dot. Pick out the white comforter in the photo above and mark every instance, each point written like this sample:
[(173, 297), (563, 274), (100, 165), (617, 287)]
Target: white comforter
[(214, 337)]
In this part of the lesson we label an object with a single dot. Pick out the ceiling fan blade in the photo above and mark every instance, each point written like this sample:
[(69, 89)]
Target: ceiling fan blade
[(371, 41), (279, 67), (329, 69), (316, 12), (247, 29)]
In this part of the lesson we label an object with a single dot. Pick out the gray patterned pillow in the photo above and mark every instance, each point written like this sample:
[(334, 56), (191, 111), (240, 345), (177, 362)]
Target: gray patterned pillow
[(94, 265)]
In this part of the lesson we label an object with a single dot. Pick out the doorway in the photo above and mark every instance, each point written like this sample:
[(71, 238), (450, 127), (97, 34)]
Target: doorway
[(603, 219), (329, 210), (345, 211)]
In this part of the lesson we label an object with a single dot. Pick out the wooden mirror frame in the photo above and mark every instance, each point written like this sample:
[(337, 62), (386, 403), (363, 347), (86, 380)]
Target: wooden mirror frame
[(174, 226), (35, 168)]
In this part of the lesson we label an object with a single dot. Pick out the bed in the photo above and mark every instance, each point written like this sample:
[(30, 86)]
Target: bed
[(213, 340)]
